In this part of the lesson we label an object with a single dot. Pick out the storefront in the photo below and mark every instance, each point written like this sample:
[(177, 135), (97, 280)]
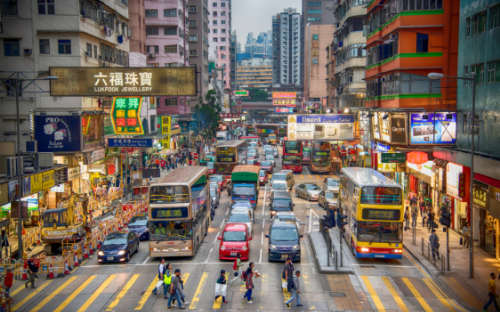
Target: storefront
[(486, 204), (455, 195), (421, 180)]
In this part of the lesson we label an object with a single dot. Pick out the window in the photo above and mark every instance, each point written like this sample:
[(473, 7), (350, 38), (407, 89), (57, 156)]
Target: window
[(215, 39), (215, 22), (88, 52), (193, 52), (192, 23), (315, 60), (193, 38), (491, 72), (223, 22), (11, 47), (223, 4), (64, 46), (480, 72), (10, 7), (495, 17), (153, 49), (422, 42), (214, 30), (223, 39), (223, 13), (95, 51), (214, 4), (223, 30), (170, 49), (314, 19), (223, 56), (170, 30), (152, 31), (170, 12), (467, 26), (314, 3), (46, 7), (192, 9), (151, 13), (222, 48), (44, 45), (313, 11), (315, 37), (214, 14), (171, 102)]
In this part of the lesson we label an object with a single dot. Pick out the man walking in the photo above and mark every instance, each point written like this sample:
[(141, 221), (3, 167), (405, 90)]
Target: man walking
[(492, 293), (434, 243), (161, 270), (249, 282), (32, 270), (407, 219), (414, 214), (175, 291), (288, 273), (295, 288), (4, 241)]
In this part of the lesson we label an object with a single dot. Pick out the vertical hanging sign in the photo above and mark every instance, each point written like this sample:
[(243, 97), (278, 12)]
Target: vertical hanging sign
[(125, 115), (166, 126)]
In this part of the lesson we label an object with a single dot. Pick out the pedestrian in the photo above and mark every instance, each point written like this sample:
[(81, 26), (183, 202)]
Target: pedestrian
[(492, 293), (4, 244), (414, 215), (249, 274), (161, 270), (32, 270), (8, 281), (466, 235), (407, 219), (167, 280), (295, 290), (287, 273), (434, 243), (430, 219), (221, 286), (237, 268), (175, 290), (424, 218)]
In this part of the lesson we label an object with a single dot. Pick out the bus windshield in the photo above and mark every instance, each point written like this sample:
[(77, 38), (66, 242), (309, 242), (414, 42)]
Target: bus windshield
[(322, 160), (291, 160), (168, 194), (291, 147), (170, 230), (381, 195), (226, 154), (379, 232)]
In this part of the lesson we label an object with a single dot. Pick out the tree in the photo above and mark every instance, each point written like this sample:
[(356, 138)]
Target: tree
[(206, 115)]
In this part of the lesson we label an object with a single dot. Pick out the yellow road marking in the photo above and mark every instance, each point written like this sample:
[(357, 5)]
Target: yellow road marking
[(73, 295), (417, 295), (146, 294), (196, 297), (437, 293), (53, 294), (286, 294), (218, 302), (394, 294), (373, 294), (96, 293), (122, 293), (18, 290), (31, 295)]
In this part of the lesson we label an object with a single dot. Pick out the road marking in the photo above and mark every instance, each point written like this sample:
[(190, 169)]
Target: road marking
[(262, 237), (122, 293), (395, 295), (286, 294), (33, 293), (373, 294), (209, 253), (18, 290), (96, 293), (74, 294), (196, 295), (146, 294), (53, 294), (218, 302), (260, 256), (146, 260), (416, 294), (437, 293), (215, 238)]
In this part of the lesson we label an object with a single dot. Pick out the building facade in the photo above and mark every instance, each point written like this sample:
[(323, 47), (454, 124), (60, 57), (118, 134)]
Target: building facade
[(287, 56), (318, 11), (137, 26), (198, 41), (254, 75), (317, 38), (219, 38)]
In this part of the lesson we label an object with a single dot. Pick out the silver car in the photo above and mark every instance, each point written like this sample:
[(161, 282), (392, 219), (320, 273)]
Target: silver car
[(241, 218), (309, 191)]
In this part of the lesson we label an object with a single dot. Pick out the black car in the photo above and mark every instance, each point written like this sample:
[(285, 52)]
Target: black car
[(118, 247), (284, 241), (139, 225)]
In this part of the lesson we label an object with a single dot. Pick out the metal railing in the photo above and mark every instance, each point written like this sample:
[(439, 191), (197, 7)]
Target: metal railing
[(437, 258), (332, 256)]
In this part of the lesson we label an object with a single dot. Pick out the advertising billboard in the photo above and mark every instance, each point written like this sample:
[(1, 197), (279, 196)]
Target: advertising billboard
[(126, 115), (58, 133), (132, 142), (92, 130), (433, 128), (398, 128), (375, 126), (285, 99), (123, 81), (321, 127), (285, 110)]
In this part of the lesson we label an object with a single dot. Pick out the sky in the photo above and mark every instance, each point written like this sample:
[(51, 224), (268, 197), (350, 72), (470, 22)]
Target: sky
[(256, 15)]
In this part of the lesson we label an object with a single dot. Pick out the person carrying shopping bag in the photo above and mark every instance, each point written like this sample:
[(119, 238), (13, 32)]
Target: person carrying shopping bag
[(221, 287)]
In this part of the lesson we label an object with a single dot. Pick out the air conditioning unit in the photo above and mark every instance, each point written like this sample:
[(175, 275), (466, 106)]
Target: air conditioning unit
[(11, 166), (45, 160)]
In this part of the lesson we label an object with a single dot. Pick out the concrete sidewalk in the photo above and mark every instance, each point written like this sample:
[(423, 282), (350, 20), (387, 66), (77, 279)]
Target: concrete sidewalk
[(320, 250), (471, 292)]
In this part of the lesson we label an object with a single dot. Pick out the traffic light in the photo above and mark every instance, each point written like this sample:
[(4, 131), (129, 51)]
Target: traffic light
[(341, 221), (445, 217)]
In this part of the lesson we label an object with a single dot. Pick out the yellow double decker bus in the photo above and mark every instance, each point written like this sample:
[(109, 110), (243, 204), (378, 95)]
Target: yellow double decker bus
[(179, 212), (374, 208)]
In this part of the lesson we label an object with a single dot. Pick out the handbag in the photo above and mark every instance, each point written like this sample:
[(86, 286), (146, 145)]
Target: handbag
[(220, 289), (284, 284)]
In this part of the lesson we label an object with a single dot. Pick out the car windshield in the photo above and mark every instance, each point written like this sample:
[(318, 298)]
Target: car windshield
[(239, 217), (331, 195), (244, 190), (262, 173), (332, 182), (269, 156), (279, 186), (216, 178), (279, 177), (266, 163), (312, 187), (379, 232), (115, 240), (284, 234), (243, 204), (282, 202), (234, 236), (138, 222)]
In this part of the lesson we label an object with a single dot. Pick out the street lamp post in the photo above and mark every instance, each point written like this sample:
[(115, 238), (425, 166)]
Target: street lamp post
[(473, 130)]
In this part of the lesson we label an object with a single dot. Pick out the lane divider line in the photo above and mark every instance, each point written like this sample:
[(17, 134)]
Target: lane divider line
[(122, 292), (196, 296), (373, 294), (417, 295), (395, 295), (74, 294), (96, 293), (54, 293), (438, 294), (146, 294), (31, 295)]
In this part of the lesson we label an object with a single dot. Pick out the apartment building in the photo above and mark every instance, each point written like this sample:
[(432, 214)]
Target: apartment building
[(198, 41), (220, 37)]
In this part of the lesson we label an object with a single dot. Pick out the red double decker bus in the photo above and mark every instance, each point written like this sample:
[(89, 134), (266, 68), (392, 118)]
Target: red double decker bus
[(292, 155)]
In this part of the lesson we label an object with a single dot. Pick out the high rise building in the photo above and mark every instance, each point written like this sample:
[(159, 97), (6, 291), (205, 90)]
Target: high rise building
[(287, 55), (219, 38), (318, 11), (166, 44), (232, 54), (254, 73), (260, 47), (198, 41)]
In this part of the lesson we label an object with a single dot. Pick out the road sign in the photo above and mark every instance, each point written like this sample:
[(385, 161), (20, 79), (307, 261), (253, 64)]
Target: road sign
[(132, 142), (393, 158)]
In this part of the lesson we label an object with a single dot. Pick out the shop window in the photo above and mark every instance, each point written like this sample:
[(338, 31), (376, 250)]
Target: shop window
[(422, 42)]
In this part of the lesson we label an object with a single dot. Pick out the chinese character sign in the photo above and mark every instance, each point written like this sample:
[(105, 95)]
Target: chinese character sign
[(125, 115), (123, 81)]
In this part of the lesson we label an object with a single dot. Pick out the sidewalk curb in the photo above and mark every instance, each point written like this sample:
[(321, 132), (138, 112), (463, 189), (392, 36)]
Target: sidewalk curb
[(325, 269)]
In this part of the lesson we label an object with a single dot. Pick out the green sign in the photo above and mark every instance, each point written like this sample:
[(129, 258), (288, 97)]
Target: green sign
[(241, 93), (125, 115), (393, 158)]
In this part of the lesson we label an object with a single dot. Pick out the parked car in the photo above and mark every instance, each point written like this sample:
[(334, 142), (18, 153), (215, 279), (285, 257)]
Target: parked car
[(214, 194), (263, 177), (286, 177), (139, 226), (267, 165), (328, 199), (234, 241), (118, 247), (308, 191), (332, 184), (284, 241), (241, 218), (221, 181)]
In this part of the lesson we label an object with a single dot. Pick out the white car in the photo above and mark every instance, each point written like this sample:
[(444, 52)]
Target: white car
[(241, 218), (243, 209)]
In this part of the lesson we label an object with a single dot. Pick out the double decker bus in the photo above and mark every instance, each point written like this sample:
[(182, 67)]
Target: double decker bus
[(292, 155), (374, 207), (228, 154), (179, 212), (320, 157)]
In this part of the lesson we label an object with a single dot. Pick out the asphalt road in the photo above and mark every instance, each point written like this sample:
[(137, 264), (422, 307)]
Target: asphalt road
[(376, 286)]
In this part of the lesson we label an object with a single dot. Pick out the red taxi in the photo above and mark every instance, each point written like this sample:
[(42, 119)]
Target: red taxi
[(234, 240)]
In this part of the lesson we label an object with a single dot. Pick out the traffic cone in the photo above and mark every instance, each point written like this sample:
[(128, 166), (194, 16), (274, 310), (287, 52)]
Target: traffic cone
[(67, 269), (75, 260), (85, 252), (50, 275)]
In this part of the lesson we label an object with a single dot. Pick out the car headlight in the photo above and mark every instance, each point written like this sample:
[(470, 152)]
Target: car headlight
[(273, 246), (100, 253), (295, 247), (244, 248), (222, 247), (122, 252)]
